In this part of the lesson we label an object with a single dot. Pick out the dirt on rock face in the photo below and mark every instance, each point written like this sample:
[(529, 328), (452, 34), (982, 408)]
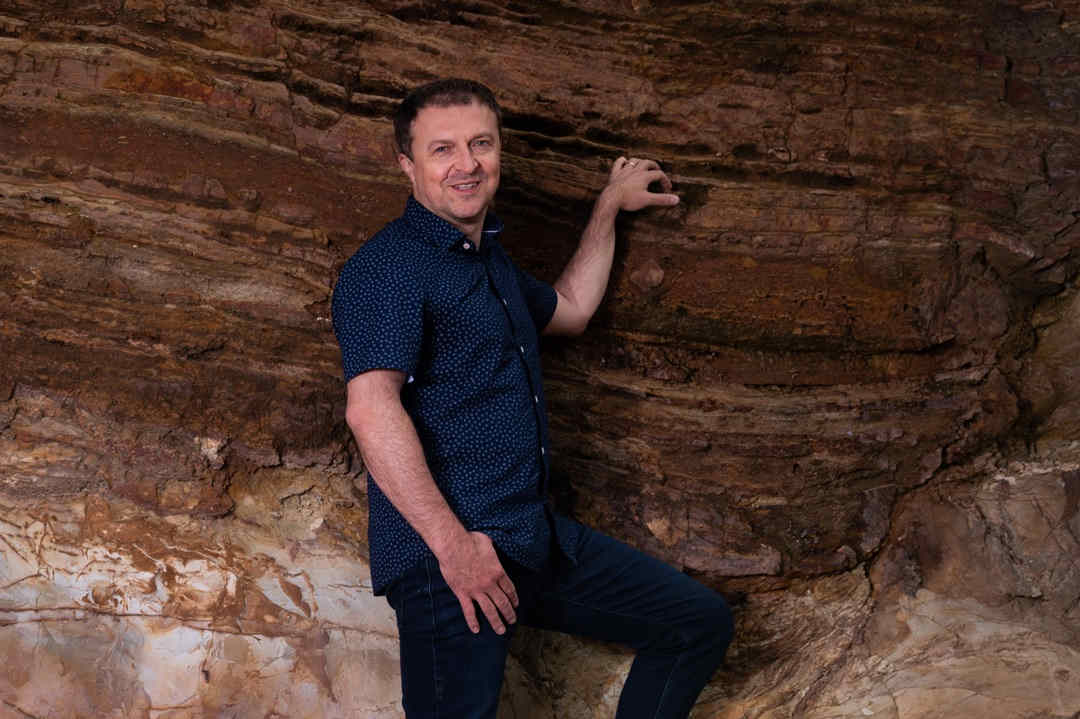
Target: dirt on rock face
[(838, 382)]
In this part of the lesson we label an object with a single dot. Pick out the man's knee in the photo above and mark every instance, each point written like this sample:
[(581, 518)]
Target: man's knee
[(715, 626)]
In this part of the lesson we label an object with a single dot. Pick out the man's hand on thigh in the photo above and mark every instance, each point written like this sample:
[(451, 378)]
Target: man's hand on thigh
[(474, 573)]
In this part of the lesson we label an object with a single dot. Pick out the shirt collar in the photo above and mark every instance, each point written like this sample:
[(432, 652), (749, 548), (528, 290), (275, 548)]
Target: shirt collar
[(440, 233)]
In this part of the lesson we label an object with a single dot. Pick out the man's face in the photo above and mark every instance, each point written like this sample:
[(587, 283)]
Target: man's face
[(455, 162)]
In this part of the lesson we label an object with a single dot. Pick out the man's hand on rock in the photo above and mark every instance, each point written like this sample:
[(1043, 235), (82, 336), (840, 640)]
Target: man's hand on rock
[(474, 573), (628, 185)]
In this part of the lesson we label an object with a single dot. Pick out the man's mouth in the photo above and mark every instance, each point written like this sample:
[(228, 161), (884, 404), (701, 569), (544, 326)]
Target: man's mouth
[(466, 186)]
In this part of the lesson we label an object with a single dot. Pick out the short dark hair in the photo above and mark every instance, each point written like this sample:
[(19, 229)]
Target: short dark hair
[(441, 93)]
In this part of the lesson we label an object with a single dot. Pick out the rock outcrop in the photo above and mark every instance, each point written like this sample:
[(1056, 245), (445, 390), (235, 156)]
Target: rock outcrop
[(838, 382)]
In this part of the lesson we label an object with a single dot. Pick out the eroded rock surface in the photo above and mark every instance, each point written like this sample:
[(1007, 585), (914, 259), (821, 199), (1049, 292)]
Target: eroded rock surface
[(837, 382)]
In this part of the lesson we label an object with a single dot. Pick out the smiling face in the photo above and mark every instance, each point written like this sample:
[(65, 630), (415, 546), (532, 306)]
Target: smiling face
[(454, 167)]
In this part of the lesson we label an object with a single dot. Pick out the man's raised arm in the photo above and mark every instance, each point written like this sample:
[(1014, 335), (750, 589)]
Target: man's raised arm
[(583, 282), (395, 458)]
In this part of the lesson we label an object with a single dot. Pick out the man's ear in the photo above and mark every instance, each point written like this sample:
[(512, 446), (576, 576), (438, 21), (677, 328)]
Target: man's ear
[(407, 166)]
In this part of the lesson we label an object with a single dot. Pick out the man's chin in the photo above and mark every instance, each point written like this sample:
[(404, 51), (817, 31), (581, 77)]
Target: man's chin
[(470, 213)]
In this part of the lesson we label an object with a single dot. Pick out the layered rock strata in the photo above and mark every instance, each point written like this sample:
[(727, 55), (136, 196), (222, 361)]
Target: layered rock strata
[(837, 382)]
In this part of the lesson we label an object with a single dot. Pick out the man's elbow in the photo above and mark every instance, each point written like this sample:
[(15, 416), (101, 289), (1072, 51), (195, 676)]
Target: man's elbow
[(355, 418), (371, 398), (568, 323), (361, 418), (566, 328), (576, 326)]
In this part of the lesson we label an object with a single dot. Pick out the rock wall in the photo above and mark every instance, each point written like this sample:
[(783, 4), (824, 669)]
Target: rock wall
[(838, 382)]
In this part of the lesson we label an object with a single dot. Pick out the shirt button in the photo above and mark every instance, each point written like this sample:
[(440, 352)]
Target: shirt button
[(536, 399), (521, 348), (465, 245), (504, 300), (541, 450)]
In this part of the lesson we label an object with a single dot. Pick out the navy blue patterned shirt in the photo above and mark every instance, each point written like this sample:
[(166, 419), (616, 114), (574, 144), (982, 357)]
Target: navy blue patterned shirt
[(463, 324)]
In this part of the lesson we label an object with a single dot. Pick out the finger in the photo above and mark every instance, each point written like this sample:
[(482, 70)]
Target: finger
[(652, 176), (657, 198), (643, 164), (652, 199), (617, 167), (509, 589), (658, 176), (469, 612), (492, 614), (502, 603)]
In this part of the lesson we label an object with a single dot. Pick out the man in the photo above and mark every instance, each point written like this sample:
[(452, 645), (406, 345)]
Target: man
[(439, 339)]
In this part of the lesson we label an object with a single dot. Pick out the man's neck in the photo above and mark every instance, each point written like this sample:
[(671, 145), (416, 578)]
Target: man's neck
[(473, 231)]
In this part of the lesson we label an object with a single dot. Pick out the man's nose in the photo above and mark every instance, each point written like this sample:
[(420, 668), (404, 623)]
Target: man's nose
[(466, 161)]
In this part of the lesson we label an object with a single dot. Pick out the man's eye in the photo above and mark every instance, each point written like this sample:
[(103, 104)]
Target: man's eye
[(441, 150), (482, 143)]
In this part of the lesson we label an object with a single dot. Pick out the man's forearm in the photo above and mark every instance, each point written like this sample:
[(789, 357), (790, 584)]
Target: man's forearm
[(395, 458), (582, 285), (393, 454), (584, 280)]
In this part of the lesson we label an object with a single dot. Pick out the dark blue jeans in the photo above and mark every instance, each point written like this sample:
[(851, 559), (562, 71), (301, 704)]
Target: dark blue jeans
[(679, 628)]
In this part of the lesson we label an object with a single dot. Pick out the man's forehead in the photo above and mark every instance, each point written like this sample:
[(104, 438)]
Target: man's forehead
[(453, 116)]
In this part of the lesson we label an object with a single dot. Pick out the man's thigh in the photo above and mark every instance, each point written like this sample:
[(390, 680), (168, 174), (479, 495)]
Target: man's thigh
[(446, 670), (618, 593)]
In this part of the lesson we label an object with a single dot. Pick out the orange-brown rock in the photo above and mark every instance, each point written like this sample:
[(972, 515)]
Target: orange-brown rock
[(838, 382)]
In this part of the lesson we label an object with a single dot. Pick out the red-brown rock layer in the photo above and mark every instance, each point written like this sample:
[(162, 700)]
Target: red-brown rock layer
[(838, 382)]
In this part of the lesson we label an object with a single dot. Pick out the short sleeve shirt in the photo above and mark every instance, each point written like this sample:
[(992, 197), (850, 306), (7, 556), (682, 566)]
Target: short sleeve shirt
[(462, 323)]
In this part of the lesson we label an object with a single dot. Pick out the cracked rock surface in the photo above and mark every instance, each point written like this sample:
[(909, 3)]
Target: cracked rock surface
[(840, 382)]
